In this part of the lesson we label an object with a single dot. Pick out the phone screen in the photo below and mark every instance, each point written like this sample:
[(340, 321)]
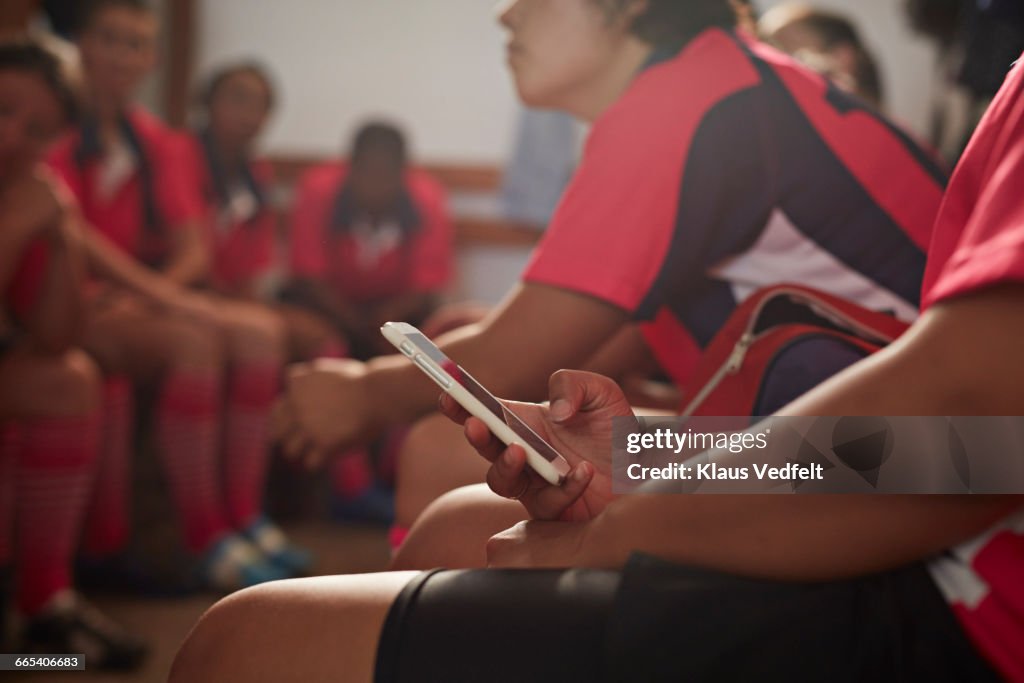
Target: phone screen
[(429, 349)]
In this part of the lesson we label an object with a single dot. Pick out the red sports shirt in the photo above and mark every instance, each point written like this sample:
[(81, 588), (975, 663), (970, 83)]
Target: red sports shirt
[(417, 261), (979, 242), (121, 217), (729, 167), (243, 249)]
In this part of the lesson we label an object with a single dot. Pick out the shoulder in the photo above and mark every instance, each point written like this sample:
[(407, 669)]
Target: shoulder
[(424, 188), (666, 103)]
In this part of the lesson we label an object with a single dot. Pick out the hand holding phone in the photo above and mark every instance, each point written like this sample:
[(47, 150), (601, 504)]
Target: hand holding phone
[(477, 401)]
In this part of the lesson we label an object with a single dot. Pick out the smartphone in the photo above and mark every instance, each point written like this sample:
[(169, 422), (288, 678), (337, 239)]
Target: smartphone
[(477, 401)]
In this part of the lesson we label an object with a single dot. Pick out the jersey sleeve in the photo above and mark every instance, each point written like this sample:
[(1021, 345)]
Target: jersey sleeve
[(613, 226), (434, 247), (307, 229), (980, 229)]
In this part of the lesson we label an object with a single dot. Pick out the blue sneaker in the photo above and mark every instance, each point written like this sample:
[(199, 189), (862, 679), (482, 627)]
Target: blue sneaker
[(233, 563), (375, 506), (271, 541)]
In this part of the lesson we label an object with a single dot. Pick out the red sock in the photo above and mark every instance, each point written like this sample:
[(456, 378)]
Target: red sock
[(9, 444), (187, 433), (351, 474), (396, 536), (106, 528), (56, 464), (251, 393)]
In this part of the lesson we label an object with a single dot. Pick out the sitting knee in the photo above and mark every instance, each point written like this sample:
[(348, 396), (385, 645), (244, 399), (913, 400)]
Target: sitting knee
[(254, 332), (190, 343), (218, 640), (72, 382)]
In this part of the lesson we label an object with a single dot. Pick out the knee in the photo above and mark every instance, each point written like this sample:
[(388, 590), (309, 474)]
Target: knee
[(216, 644), (255, 333), (190, 343), (413, 467), (446, 533), (73, 383)]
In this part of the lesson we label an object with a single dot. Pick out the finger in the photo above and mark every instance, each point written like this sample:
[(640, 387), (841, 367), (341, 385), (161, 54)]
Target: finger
[(550, 502), (480, 438), (451, 409), (507, 477), (573, 391)]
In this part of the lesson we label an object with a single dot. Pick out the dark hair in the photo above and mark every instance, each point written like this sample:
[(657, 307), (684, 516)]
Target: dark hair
[(31, 58), (219, 77), (378, 137), (670, 24), (92, 8)]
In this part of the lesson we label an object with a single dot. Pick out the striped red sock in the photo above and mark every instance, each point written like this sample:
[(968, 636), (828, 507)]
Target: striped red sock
[(251, 393), (188, 437), (56, 464), (9, 444), (106, 528)]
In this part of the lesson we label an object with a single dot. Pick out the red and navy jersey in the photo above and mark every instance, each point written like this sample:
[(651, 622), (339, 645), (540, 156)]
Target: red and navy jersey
[(241, 233), (979, 243), (729, 167), (413, 253), (153, 199)]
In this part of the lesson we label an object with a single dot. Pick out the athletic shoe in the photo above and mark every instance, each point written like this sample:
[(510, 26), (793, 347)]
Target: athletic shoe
[(271, 541), (68, 624), (233, 563)]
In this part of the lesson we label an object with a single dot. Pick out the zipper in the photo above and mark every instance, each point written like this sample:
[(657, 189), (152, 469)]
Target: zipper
[(734, 362)]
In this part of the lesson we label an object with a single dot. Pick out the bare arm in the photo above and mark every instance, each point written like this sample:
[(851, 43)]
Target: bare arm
[(512, 352), (190, 263), (58, 318), (954, 361)]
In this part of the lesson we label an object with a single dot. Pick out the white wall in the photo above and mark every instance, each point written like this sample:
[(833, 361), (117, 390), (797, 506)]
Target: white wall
[(435, 65)]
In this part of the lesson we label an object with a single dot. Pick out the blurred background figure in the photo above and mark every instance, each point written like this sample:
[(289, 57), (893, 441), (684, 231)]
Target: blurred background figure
[(50, 418), (371, 241), (976, 40), (829, 43)]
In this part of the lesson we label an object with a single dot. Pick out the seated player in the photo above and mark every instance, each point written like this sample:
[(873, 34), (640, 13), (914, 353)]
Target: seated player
[(50, 420), (715, 166), (713, 587), (371, 240), (217, 372), (241, 225)]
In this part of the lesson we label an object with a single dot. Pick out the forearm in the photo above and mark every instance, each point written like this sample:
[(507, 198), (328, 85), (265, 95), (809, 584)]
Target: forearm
[(789, 537), (110, 263), (58, 319), (953, 362), (190, 263), (512, 352)]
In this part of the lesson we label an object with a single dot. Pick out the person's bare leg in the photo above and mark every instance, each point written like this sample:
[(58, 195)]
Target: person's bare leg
[(319, 629), (453, 531), (435, 459)]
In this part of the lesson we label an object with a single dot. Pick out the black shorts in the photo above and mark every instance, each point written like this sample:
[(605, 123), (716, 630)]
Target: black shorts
[(658, 621)]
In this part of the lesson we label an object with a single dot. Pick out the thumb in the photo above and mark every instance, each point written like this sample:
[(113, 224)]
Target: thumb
[(573, 391)]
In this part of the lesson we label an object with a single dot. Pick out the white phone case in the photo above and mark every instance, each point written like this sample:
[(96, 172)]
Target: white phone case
[(553, 472)]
